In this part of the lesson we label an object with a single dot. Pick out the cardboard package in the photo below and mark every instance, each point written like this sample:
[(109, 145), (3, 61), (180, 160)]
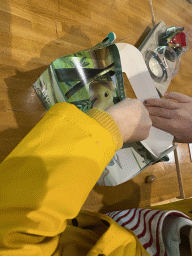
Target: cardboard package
[(93, 78)]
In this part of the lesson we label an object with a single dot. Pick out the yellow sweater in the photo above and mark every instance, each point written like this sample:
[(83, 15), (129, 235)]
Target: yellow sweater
[(46, 180)]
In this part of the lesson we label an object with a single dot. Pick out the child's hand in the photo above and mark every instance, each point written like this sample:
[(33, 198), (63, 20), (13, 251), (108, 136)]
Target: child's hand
[(171, 116), (132, 119)]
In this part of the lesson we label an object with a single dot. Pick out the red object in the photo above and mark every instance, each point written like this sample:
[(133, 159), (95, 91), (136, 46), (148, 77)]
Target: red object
[(179, 39)]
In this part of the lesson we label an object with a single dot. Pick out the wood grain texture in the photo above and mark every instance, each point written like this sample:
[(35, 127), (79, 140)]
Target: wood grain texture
[(179, 174), (185, 168), (34, 33)]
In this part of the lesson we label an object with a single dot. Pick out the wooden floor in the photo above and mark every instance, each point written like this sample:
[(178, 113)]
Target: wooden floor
[(33, 33)]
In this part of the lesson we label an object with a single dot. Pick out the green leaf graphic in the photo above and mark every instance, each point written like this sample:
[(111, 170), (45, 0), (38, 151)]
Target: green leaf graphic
[(85, 64), (72, 64), (83, 60)]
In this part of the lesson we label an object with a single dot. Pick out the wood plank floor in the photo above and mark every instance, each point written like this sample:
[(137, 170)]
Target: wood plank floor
[(34, 33)]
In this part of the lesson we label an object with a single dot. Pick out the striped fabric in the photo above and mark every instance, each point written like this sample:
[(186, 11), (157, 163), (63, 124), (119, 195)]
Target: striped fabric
[(147, 226)]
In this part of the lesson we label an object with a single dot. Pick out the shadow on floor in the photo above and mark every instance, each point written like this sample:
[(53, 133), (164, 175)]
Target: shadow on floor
[(106, 199)]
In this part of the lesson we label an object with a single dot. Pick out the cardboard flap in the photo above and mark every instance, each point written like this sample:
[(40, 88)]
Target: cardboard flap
[(133, 64)]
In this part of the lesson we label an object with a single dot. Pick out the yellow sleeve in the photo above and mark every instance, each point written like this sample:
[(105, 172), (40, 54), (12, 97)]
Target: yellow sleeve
[(46, 179)]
